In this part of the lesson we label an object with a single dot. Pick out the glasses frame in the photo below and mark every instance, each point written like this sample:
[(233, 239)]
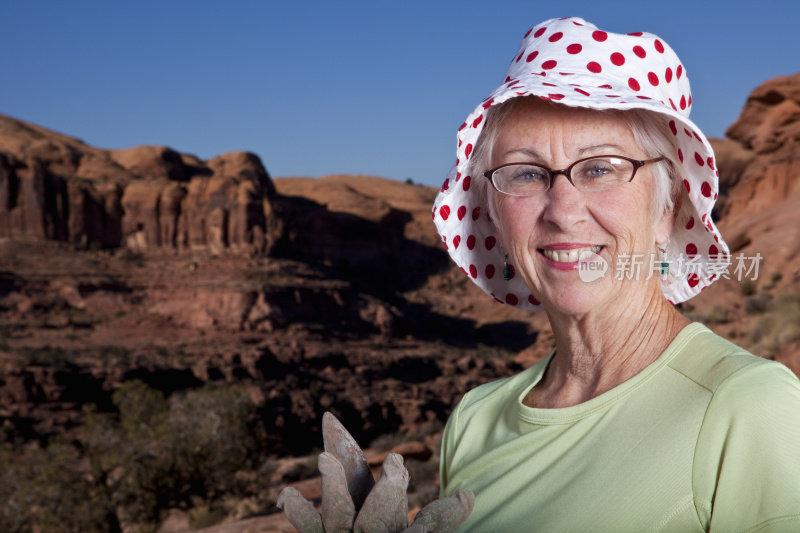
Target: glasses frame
[(637, 164)]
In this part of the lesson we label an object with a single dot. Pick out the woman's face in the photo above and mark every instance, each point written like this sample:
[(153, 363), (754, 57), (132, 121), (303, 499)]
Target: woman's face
[(538, 232)]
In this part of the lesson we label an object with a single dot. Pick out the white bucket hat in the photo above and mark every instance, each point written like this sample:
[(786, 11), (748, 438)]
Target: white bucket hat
[(572, 62)]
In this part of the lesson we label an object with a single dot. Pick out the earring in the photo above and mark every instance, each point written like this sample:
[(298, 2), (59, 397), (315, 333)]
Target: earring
[(663, 260), (506, 269)]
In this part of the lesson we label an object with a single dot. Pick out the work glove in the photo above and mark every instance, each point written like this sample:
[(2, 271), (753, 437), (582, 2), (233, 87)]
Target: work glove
[(352, 502)]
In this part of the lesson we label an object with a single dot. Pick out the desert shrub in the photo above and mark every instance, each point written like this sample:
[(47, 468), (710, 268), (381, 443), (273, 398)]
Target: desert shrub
[(756, 304), (747, 288), (160, 454), (777, 327), (45, 490)]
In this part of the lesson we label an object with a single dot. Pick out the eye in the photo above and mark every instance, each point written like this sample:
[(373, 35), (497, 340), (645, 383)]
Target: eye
[(597, 169), (526, 174)]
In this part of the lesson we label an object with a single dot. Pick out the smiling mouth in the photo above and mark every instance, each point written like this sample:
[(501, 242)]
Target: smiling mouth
[(569, 256)]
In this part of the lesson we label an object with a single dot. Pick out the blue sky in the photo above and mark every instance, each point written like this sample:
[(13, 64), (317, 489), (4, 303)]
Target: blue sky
[(318, 88)]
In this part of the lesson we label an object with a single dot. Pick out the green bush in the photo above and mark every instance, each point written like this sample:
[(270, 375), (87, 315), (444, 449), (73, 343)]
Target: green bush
[(200, 449)]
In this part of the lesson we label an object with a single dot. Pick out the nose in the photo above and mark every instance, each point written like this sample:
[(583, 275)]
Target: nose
[(565, 205)]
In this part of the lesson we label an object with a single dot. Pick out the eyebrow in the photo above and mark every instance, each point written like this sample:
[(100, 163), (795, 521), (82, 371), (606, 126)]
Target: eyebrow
[(581, 151)]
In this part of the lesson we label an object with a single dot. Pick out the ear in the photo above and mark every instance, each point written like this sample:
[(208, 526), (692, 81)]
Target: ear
[(666, 223)]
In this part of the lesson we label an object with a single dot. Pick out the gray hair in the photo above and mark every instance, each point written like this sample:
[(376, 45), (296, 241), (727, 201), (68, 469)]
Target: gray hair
[(650, 131)]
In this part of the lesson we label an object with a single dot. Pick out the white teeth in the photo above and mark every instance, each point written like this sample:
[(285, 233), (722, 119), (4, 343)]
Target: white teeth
[(570, 256)]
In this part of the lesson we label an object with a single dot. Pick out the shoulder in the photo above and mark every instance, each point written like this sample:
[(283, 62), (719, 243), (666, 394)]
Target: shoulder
[(724, 368), (748, 438)]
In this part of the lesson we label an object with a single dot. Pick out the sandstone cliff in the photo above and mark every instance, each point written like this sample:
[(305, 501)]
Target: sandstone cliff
[(56, 187)]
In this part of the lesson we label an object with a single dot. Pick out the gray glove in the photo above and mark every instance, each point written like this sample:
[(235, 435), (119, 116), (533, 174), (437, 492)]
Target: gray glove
[(353, 503)]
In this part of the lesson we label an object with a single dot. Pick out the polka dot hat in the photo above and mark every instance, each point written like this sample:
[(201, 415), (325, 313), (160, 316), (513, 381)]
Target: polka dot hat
[(572, 62)]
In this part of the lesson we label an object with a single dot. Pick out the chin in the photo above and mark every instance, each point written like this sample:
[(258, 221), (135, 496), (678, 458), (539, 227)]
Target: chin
[(578, 300)]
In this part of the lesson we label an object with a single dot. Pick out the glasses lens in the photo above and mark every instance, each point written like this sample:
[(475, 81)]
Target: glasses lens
[(521, 180), (602, 173)]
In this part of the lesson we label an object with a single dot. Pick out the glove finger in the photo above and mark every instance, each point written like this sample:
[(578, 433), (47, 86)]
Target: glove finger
[(341, 445), (299, 511), (386, 508), (444, 515), (338, 511)]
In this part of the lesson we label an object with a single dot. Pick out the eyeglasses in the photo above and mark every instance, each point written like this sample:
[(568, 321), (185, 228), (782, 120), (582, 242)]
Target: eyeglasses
[(597, 173)]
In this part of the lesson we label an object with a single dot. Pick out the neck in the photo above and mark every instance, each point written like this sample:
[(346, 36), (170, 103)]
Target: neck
[(598, 351)]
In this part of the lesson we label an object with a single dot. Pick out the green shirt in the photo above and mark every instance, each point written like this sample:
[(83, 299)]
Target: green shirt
[(706, 438)]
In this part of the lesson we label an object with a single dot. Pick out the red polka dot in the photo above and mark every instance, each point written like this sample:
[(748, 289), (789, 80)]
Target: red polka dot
[(606, 86), (652, 78), (555, 96), (659, 47), (682, 103), (487, 104), (582, 92), (688, 187), (693, 280), (689, 103), (550, 63), (466, 183), (668, 74), (680, 155), (574, 49), (687, 132), (699, 159), (471, 242), (690, 223), (518, 58), (531, 56), (705, 189), (528, 33), (464, 125), (511, 299), (476, 213), (490, 242), (618, 59), (599, 36), (468, 150), (710, 162), (477, 121), (532, 299), (548, 84), (633, 84), (446, 184), (672, 104), (691, 249), (539, 32), (696, 136), (473, 271), (456, 241), (489, 271), (679, 71), (593, 66), (636, 34), (462, 212), (511, 272), (555, 37), (639, 51), (444, 211), (673, 127), (713, 251)]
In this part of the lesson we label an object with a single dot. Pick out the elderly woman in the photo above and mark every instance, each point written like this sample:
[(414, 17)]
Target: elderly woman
[(583, 189)]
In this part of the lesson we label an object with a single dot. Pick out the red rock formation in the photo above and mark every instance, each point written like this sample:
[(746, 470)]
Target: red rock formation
[(768, 134), (56, 187)]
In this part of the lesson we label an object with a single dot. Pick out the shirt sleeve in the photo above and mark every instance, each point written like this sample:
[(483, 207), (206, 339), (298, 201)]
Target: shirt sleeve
[(449, 438), (746, 472)]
